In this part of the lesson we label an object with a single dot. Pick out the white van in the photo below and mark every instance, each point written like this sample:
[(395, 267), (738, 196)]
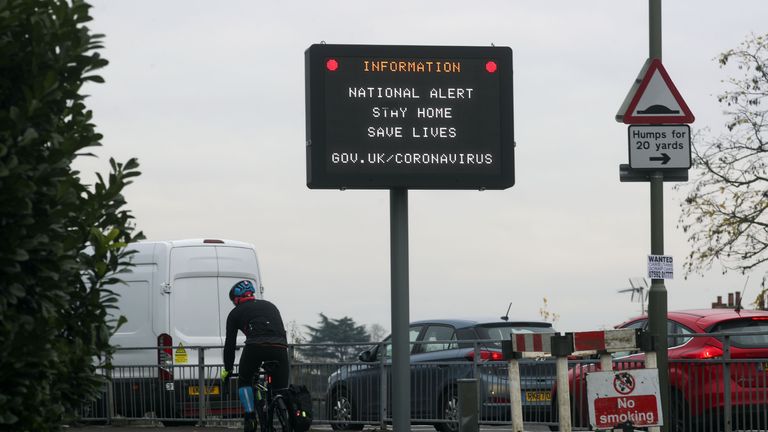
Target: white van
[(175, 296)]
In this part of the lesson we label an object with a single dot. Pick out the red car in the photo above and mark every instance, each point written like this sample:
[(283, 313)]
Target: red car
[(697, 369)]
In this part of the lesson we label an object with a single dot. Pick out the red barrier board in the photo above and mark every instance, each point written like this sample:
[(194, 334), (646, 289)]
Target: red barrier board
[(589, 341)]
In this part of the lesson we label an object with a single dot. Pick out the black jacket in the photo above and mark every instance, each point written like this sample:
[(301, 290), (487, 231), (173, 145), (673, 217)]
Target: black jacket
[(260, 322)]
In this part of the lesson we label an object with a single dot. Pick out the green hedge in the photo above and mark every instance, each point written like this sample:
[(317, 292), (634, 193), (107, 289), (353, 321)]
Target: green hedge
[(54, 299)]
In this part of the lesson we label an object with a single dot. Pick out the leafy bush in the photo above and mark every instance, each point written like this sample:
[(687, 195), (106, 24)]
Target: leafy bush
[(54, 297)]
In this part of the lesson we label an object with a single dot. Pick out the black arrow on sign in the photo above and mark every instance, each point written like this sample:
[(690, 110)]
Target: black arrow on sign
[(664, 158)]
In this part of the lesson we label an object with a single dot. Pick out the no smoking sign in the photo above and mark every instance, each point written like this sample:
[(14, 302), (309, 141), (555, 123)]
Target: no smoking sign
[(624, 383), (624, 397)]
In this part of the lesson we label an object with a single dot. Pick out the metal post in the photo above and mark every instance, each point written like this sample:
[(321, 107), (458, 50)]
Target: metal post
[(383, 386), (468, 398), (201, 385), (515, 398), (657, 298), (727, 408), (654, 25), (475, 360), (651, 363), (657, 295), (110, 405), (401, 376)]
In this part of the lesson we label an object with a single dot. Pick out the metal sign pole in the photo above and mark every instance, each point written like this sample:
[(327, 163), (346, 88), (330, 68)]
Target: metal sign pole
[(657, 295), (401, 375)]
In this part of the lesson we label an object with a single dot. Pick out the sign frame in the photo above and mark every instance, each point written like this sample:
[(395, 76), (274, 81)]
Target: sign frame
[(626, 111), (602, 390), (676, 163), (318, 150)]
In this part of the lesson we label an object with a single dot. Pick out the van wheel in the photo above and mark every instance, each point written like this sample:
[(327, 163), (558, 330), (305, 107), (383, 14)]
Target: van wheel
[(341, 411)]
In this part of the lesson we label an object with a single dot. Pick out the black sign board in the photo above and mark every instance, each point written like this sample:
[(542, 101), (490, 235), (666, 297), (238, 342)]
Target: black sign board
[(418, 117)]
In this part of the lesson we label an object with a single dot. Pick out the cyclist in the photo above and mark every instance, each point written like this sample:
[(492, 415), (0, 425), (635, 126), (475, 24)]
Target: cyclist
[(262, 325)]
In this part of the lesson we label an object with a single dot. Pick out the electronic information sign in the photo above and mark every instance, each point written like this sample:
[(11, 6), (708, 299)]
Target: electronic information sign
[(418, 117)]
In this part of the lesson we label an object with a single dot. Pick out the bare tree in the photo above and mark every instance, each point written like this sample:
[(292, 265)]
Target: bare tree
[(295, 333), (546, 314), (377, 332), (724, 211)]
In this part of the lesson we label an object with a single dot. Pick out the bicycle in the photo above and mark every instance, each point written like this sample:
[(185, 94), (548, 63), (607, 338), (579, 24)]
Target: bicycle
[(271, 407)]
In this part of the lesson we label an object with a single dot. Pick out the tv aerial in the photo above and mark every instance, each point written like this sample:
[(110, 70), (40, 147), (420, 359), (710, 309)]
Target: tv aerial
[(639, 288), (506, 315)]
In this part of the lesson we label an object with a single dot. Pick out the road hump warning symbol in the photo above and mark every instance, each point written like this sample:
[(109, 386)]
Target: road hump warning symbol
[(654, 99)]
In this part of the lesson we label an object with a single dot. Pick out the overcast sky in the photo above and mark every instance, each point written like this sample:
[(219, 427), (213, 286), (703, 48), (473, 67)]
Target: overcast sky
[(210, 97)]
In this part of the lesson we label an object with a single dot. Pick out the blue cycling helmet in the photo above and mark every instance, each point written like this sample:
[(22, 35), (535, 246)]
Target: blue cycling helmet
[(241, 291)]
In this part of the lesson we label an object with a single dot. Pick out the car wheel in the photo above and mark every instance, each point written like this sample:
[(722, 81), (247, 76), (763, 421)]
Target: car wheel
[(341, 411), (449, 410), (178, 423)]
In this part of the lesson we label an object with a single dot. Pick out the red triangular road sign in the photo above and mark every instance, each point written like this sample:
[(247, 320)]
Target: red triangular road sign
[(654, 99)]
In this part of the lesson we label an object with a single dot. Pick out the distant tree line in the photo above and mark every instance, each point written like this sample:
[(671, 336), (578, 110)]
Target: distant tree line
[(341, 339)]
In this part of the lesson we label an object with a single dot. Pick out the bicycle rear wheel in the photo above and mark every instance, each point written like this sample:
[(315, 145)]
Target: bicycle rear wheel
[(281, 421)]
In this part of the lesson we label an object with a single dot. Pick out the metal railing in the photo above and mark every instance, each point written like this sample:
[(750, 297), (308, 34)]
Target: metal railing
[(720, 393), (709, 390)]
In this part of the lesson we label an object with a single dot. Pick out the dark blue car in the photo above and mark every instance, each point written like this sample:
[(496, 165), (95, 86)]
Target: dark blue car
[(442, 352)]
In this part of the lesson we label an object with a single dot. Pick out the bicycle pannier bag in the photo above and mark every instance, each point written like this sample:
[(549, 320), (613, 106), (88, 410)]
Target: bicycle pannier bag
[(300, 406)]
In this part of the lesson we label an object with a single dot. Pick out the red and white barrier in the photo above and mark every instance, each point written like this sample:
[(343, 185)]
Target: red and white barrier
[(532, 343), (525, 345), (605, 341)]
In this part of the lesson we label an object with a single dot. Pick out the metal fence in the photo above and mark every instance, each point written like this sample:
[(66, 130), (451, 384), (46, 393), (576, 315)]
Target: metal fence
[(713, 392)]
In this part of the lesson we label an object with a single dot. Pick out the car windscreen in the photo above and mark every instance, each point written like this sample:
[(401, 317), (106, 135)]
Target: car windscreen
[(504, 332), (745, 326)]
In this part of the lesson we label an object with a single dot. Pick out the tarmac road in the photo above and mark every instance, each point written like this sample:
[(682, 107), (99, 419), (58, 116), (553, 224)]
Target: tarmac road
[(319, 428)]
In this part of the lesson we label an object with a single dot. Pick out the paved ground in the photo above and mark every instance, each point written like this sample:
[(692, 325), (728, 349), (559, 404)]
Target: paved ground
[(321, 428)]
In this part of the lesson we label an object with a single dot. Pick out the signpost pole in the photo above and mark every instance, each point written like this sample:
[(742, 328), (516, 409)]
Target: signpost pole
[(657, 296), (401, 376), (354, 141)]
